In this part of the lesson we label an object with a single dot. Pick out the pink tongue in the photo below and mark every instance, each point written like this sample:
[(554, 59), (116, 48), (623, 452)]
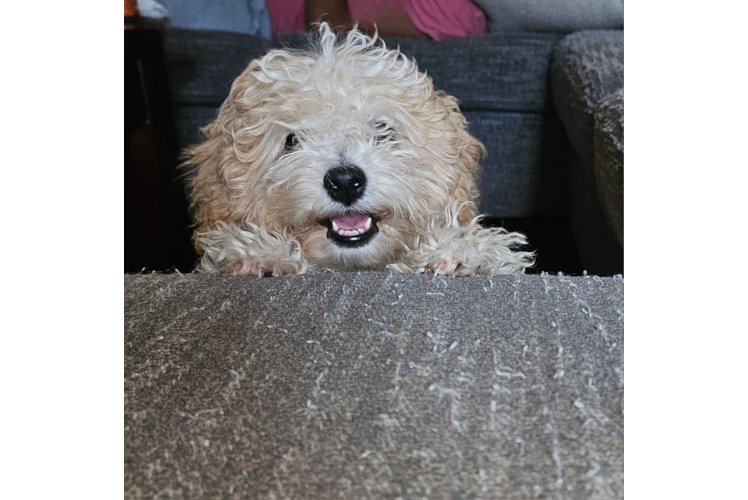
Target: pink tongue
[(351, 221)]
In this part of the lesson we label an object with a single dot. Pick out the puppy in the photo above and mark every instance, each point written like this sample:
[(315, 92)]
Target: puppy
[(342, 158)]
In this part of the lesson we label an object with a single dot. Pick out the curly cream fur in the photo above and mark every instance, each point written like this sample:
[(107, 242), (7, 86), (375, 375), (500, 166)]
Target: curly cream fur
[(448, 247), (258, 207)]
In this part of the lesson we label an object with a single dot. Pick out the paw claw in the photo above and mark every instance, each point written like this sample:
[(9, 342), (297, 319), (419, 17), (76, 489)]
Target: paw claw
[(448, 265), (458, 267), (440, 267)]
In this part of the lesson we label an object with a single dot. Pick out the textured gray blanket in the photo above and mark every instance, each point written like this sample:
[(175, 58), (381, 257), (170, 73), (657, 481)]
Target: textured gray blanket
[(373, 385)]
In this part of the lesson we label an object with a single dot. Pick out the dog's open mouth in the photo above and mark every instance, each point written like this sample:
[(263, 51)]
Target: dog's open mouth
[(352, 229)]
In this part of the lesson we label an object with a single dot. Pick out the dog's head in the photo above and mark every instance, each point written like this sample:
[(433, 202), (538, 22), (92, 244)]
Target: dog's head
[(348, 148)]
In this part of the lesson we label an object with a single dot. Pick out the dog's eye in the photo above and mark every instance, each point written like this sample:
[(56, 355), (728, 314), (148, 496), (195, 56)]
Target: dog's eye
[(383, 132), (291, 142)]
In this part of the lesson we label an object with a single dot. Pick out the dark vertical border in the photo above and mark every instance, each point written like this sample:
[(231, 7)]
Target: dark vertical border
[(686, 91)]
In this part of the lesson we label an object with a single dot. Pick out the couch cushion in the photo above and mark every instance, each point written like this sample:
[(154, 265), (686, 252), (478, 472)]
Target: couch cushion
[(563, 16), (494, 71), (523, 171), (373, 385), (587, 67), (201, 65), (608, 146)]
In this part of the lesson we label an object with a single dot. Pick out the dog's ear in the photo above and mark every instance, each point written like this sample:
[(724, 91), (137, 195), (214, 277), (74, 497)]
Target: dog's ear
[(467, 168), (225, 165), (209, 200)]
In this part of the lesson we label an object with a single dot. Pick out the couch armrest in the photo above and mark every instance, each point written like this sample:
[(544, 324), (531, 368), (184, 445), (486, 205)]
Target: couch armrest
[(608, 147), (587, 67)]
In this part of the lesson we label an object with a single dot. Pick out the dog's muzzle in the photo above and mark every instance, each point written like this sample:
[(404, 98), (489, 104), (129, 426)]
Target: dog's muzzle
[(345, 185)]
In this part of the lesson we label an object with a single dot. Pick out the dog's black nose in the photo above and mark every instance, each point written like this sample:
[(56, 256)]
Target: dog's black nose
[(345, 184)]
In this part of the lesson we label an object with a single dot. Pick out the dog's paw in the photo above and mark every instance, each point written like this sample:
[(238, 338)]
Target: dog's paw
[(448, 265), (251, 251), (248, 266), (450, 249), (445, 264)]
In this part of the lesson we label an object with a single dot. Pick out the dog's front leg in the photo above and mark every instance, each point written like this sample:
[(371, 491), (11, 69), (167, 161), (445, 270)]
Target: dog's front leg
[(249, 249), (446, 247)]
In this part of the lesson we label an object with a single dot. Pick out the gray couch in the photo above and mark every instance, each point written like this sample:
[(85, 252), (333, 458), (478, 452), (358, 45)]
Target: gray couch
[(587, 84), (503, 80)]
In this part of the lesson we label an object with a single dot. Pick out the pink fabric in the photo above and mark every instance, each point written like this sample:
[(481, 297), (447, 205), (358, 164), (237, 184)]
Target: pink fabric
[(286, 16), (445, 19), (439, 19)]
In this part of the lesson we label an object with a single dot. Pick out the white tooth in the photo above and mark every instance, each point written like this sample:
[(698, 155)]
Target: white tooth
[(367, 226), (360, 230), (334, 226)]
